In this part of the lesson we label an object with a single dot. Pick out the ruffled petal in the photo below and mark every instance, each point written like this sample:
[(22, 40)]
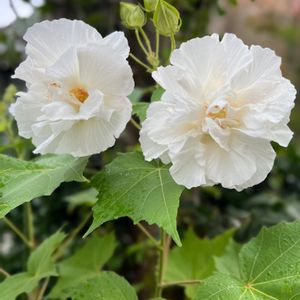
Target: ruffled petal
[(48, 40), (237, 53), (229, 168), (152, 150), (205, 58), (264, 160), (188, 166), (27, 109), (118, 42), (104, 69)]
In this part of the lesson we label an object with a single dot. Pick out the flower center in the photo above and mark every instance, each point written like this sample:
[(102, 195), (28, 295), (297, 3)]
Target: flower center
[(79, 93), (221, 114)]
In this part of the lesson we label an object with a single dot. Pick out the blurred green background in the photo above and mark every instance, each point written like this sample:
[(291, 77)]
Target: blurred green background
[(209, 211)]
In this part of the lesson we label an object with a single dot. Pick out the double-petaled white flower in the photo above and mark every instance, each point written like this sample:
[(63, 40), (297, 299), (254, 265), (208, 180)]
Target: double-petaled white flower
[(78, 84), (223, 104)]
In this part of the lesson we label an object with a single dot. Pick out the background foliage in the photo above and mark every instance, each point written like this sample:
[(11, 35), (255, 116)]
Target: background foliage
[(203, 213)]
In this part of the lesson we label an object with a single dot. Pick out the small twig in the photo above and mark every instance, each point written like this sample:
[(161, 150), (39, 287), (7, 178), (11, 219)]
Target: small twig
[(157, 44), (182, 282), (62, 248), (135, 124), (43, 289), (13, 8), (6, 274), (18, 232), (149, 235), (137, 60)]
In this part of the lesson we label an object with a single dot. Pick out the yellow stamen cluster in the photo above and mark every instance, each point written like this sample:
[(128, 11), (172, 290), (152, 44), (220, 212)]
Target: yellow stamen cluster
[(79, 93)]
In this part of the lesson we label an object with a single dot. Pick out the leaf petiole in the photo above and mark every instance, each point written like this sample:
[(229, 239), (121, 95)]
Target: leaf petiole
[(18, 232), (149, 235), (135, 124)]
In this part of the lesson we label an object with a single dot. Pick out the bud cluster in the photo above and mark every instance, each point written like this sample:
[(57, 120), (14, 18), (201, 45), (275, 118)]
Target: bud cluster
[(165, 16)]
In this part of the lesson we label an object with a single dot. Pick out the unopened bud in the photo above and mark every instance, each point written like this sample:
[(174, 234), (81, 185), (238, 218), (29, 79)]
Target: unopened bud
[(166, 18), (150, 5), (132, 16)]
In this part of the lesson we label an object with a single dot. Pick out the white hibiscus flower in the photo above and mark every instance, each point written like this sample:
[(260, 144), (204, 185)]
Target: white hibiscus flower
[(78, 84), (223, 104)]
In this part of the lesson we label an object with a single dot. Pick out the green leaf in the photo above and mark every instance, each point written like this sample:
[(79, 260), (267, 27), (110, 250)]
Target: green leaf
[(22, 181), (228, 263), (87, 197), (269, 268), (84, 264), (105, 286), (140, 109), (156, 95), (9, 94), (39, 266), (223, 287), (136, 95), (132, 187), (195, 259)]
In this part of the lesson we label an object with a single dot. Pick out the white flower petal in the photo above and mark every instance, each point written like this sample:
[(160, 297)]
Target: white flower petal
[(264, 159), (177, 82), (95, 136), (229, 168), (104, 69), (29, 72), (118, 42), (151, 149), (48, 40), (27, 110), (265, 67), (237, 53), (205, 58), (66, 68), (179, 122), (188, 165), (220, 135)]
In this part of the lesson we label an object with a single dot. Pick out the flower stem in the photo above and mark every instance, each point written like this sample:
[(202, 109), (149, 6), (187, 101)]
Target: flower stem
[(149, 235), (18, 232), (137, 60), (30, 227), (135, 124), (146, 39), (173, 42), (43, 289), (137, 34), (181, 282), (157, 44), (162, 262)]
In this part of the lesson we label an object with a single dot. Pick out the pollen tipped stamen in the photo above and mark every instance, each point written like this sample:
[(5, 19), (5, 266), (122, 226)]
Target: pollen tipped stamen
[(80, 94)]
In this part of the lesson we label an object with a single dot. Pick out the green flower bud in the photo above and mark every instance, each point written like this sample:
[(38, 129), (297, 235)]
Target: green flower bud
[(166, 18), (150, 5), (132, 16)]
